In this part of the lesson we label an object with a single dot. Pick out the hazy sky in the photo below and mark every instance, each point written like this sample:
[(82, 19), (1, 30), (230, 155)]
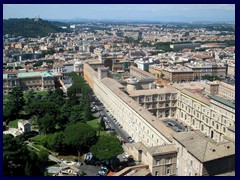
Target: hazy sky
[(156, 12)]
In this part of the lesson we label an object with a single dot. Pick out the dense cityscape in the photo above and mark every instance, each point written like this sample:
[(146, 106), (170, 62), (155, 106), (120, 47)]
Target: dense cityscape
[(112, 98)]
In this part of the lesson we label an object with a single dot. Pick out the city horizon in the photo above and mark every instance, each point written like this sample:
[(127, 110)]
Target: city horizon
[(124, 13)]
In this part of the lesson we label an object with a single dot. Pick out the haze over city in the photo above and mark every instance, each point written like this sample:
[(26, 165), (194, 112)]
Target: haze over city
[(125, 12)]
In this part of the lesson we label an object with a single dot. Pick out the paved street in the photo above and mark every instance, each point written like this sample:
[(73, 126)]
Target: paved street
[(53, 170), (102, 110), (52, 158), (89, 170)]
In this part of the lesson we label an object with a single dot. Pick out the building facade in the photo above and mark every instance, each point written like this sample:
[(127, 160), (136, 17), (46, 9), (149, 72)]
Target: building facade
[(160, 102), (201, 69), (140, 124), (212, 115), (162, 160), (198, 116), (37, 81), (226, 91)]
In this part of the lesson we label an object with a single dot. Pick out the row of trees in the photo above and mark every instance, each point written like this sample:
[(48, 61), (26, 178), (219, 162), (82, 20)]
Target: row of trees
[(81, 137), (63, 120), (211, 78), (75, 138), (163, 46)]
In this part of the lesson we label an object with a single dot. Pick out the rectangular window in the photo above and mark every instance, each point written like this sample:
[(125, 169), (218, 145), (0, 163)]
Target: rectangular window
[(168, 160), (168, 171), (224, 129)]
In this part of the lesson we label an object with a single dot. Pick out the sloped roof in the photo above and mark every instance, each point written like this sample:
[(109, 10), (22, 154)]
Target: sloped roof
[(163, 149), (204, 148)]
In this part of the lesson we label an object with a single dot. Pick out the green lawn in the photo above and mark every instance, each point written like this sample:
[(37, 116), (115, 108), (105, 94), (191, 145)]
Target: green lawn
[(94, 123), (13, 124), (39, 139), (103, 133)]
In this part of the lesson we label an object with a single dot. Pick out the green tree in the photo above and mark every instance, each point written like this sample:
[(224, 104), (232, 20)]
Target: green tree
[(55, 142), (59, 92), (75, 115), (14, 104), (28, 169), (30, 97), (102, 125), (43, 157), (79, 136), (40, 108), (17, 159), (107, 147), (63, 116), (47, 124)]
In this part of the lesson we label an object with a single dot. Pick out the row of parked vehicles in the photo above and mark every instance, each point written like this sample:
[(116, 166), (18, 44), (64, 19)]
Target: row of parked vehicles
[(107, 120)]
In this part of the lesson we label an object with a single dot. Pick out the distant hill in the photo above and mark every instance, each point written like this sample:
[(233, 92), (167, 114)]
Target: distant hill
[(31, 27)]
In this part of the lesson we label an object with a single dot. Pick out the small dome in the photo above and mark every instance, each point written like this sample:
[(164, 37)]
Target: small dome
[(78, 63)]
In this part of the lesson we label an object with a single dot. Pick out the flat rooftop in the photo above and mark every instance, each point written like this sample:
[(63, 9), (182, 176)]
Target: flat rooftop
[(223, 101), (34, 74)]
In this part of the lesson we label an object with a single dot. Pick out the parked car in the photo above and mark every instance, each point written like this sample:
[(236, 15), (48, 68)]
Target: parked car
[(103, 172), (130, 139), (104, 168), (88, 156)]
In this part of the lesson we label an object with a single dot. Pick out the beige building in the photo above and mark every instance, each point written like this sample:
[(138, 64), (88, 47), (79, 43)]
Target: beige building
[(212, 87), (231, 69), (37, 81), (188, 72), (212, 115), (222, 89), (114, 63), (178, 73), (140, 74), (199, 155), (156, 70), (226, 91), (222, 117), (160, 159), (140, 124), (201, 69), (161, 102)]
